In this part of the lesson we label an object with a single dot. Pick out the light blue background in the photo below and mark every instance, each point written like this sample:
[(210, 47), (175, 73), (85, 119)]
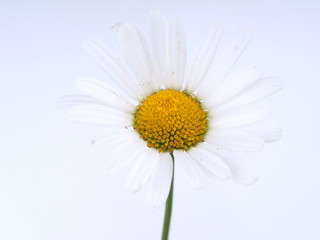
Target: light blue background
[(52, 183)]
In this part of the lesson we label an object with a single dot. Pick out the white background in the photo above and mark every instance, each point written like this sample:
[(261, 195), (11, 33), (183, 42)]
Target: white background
[(52, 182)]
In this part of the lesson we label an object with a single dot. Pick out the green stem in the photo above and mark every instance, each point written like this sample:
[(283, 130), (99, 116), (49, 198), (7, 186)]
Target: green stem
[(168, 210)]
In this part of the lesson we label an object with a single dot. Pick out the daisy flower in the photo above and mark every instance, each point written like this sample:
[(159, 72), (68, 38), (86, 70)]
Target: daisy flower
[(160, 104)]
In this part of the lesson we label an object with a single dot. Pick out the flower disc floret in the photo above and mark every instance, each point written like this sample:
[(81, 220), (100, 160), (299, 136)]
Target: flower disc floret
[(171, 120)]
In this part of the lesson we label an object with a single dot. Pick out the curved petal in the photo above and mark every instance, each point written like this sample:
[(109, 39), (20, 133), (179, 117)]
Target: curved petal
[(237, 167), (76, 100), (118, 72), (136, 51), (99, 114), (223, 63), (202, 57), (234, 85), (176, 56), (235, 140), (158, 28), (239, 117), (257, 91), (142, 170), (265, 131), (211, 163), (123, 155), (190, 166), (114, 135), (104, 92), (161, 181)]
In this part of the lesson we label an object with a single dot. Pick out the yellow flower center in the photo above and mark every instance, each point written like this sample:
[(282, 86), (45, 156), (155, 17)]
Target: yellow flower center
[(171, 120)]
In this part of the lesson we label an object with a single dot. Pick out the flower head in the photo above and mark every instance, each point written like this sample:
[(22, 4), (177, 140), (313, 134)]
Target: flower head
[(158, 99), (171, 120)]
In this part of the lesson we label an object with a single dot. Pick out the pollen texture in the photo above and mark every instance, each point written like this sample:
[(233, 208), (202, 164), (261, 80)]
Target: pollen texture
[(171, 120)]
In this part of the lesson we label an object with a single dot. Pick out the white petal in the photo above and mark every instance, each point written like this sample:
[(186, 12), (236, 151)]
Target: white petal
[(99, 114), (240, 117), (210, 163), (235, 140), (177, 54), (190, 166), (135, 49), (267, 132), (118, 72), (123, 155), (161, 181), (104, 92), (237, 168), (257, 91), (158, 28), (142, 170), (114, 135), (203, 56), (234, 85), (224, 61), (75, 100)]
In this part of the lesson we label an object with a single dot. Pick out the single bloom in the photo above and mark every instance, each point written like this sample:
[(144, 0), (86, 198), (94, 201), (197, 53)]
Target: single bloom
[(159, 99)]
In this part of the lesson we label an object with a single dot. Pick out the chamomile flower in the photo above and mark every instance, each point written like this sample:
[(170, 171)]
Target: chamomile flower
[(159, 100)]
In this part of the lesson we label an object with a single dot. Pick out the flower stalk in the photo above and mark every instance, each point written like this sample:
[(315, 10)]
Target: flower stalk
[(168, 209)]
